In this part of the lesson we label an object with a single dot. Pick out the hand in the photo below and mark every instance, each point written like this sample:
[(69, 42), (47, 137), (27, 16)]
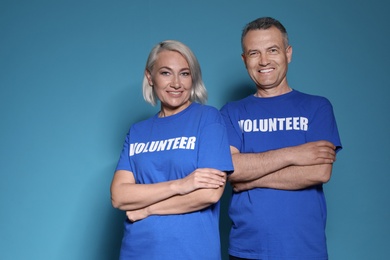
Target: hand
[(136, 215), (242, 186), (202, 178), (313, 153)]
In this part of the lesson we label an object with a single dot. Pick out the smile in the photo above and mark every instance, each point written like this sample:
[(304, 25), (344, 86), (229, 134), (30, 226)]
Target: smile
[(266, 70)]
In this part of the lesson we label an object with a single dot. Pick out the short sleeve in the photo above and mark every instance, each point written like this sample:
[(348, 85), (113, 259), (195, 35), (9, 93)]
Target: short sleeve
[(124, 159), (323, 125), (214, 150)]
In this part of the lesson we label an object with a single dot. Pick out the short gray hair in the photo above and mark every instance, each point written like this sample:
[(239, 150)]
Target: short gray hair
[(198, 92), (264, 23)]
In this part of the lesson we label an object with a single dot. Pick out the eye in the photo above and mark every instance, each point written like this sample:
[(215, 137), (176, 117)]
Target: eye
[(186, 73), (253, 54), (273, 51), (165, 73)]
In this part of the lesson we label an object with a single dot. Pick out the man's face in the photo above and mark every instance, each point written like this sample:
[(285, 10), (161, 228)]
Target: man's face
[(266, 59)]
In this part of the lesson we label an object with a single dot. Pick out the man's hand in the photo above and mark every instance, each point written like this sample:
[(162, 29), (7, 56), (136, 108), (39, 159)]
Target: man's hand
[(313, 153), (242, 186)]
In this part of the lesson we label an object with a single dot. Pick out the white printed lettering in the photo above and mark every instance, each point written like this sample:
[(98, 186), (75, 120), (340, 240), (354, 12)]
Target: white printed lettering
[(183, 142), (274, 124), (191, 143), (187, 143)]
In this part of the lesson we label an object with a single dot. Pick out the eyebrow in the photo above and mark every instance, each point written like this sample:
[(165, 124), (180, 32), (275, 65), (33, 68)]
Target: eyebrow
[(168, 68), (165, 67), (272, 46)]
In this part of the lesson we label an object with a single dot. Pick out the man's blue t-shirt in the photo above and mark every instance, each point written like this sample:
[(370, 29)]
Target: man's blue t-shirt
[(270, 223), (170, 148)]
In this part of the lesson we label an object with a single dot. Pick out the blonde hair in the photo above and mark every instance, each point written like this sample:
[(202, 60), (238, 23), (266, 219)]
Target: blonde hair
[(198, 93)]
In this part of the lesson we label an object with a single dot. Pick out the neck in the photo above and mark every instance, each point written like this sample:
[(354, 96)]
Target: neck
[(166, 111), (161, 114), (264, 93)]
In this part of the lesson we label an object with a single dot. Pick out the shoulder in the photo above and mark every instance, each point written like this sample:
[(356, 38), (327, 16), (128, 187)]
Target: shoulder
[(142, 124), (204, 108), (311, 99), (205, 114), (238, 103), (201, 109)]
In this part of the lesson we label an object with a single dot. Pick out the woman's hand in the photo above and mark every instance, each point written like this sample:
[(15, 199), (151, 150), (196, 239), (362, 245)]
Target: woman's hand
[(135, 215), (202, 178)]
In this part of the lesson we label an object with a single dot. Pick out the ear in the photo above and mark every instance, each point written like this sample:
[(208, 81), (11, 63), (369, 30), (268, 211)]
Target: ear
[(289, 51), (243, 59), (149, 77)]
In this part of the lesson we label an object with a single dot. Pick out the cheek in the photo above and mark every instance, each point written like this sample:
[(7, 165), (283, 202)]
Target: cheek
[(161, 84), (252, 69), (187, 83), (251, 65)]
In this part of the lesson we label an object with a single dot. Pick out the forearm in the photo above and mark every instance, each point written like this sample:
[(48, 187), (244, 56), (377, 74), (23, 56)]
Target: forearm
[(128, 196), (290, 178), (194, 201), (252, 166), (180, 204)]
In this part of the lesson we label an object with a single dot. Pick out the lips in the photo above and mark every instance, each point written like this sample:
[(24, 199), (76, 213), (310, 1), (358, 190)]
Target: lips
[(175, 92)]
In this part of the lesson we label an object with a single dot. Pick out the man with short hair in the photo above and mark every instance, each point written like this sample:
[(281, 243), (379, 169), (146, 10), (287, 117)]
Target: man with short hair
[(283, 144)]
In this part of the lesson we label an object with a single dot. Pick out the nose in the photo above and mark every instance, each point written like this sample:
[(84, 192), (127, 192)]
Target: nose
[(263, 60), (175, 82)]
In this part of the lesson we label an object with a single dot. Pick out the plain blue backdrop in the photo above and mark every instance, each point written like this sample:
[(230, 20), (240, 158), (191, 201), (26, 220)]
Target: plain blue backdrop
[(70, 87)]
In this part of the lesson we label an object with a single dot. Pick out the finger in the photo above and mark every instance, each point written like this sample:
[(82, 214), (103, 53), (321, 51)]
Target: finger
[(129, 217), (327, 144), (327, 158), (213, 179), (201, 175), (211, 170), (236, 188), (211, 183)]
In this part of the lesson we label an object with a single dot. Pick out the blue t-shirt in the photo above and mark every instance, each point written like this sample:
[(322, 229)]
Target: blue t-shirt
[(270, 223), (170, 148)]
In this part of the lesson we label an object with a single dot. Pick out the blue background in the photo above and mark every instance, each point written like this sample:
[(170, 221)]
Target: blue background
[(70, 87)]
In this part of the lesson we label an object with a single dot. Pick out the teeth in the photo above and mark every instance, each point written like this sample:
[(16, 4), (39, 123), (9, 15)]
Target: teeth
[(265, 71)]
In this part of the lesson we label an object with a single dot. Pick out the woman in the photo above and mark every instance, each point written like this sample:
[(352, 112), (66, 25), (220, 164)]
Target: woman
[(172, 170)]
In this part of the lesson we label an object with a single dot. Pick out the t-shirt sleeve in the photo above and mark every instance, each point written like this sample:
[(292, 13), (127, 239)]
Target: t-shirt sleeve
[(232, 127), (124, 159), (323, 126), (214, 150)]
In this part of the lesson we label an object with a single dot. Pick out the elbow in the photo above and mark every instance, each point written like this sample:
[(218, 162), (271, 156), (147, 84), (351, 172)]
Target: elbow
[(325, 178), (119, 205), (214, 198), (322, 175), (119, 202), (215, 195), (116, 201), (326, 174)]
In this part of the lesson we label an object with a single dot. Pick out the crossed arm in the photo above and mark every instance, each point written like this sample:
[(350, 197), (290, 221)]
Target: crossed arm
[(289, 168), (198, 190)]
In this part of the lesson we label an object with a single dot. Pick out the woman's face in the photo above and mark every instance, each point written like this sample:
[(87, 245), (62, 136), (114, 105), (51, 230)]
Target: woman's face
[(172, 82)]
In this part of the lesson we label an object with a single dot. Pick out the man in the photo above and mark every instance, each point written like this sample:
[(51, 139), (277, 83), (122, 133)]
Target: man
[(283, 144)]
